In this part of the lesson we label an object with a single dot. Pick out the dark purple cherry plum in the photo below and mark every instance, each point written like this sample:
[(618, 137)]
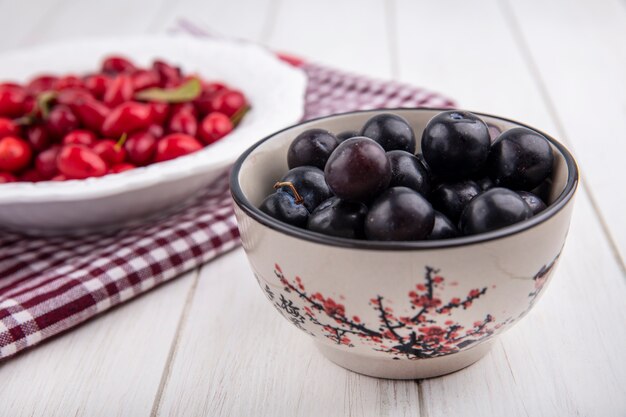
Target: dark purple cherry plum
[(451, 198), (455, 144), (535, 203), (443, 228), (399, 214), (408, 171), (493, 209), (336, 217), (306, 184), (520, 159), (311, 147), (358, 170), (391, 131), (282, 206)]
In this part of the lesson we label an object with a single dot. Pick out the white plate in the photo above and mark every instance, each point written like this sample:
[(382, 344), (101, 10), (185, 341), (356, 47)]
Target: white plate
[(274, 89)]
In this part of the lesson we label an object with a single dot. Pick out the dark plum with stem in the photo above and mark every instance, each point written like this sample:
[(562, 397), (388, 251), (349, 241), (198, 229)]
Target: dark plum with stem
[(535, 203), (408, 171), (336, 217), (391, 131), (311, 147), (306, 184), (451, 198), (443, 228), (358, 170), (283, 207), (520, 159), (455, 144), (493, 209), (400, 213)]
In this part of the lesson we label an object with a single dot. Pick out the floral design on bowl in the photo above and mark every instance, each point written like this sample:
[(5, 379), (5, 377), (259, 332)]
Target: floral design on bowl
[(418, 336)]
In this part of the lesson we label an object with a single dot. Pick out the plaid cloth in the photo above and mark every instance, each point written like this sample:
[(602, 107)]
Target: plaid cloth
[(49, 285)]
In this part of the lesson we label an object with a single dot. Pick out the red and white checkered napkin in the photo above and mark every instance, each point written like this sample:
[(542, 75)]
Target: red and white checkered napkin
[(49, 285)]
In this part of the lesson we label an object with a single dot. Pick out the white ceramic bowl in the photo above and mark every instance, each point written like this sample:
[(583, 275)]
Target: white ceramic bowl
[(398, 309), (274, 89)]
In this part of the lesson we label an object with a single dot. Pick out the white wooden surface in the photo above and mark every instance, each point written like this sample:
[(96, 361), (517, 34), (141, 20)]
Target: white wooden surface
[(209, 344)]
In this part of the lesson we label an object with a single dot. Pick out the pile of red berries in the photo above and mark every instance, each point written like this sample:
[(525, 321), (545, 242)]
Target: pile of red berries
[(121, 117)]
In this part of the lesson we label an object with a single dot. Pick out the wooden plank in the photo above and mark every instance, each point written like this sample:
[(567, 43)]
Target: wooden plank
[(237, 356), (19, 19), (546, 364), (94, 18), (110, 366), (347, 34), (587, 89), (250, 20)]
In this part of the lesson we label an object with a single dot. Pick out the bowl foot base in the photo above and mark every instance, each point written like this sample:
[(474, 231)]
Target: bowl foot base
[(403, 369)]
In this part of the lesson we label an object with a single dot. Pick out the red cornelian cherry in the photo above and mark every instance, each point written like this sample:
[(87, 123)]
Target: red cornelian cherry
[(15, 154), (97, 85), (80, 137), (109, 151), (116, 169), (127, 118), (59, 177), (175, 145), (159, 112), (69, 81), (29, 107), (156, 130), (228, 102), (204, 103), (184, 107), (6, 177), (38, 137), (46, 162), (119, 91), (213, 88), (72, 96), (117, 64), (8, 128), (61, 121), (169, 75), (79, 162), (31, 175), (40, 84), (140, 148), (183, 121), (12, 99), (91, 114), (214, 127), (143, 79)]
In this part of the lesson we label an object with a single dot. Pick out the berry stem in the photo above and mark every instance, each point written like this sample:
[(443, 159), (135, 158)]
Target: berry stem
[(299, 199), (121, 141)]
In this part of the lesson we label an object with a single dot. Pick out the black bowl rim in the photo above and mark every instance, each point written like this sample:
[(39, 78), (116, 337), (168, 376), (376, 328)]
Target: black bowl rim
[(249, 208)]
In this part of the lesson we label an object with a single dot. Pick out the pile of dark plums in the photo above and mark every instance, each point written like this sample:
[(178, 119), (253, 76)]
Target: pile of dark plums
[(371, 185)]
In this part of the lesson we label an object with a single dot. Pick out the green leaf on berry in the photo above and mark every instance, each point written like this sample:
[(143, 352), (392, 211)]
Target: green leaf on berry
[(185, 92)]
